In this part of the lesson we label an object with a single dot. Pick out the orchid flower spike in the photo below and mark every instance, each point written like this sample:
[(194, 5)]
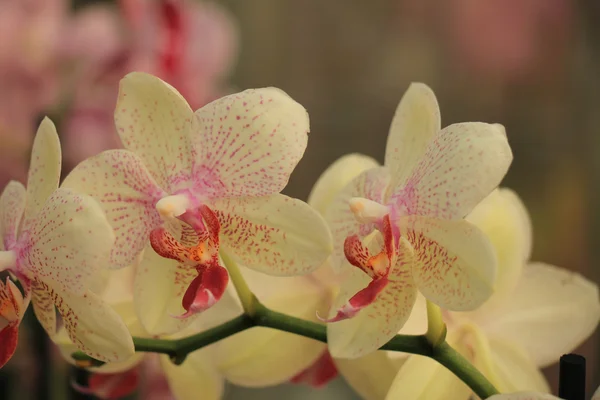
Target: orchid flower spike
[(401, 225), (198, 184), (55, 241)]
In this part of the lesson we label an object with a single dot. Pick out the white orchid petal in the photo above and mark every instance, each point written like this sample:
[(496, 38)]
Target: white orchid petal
[(504, 219), (370, 184), (422, 378), (43, 307), (12, 206), (127, 192), (68, 242), (416, 121), (274, 234), (160, 284), (249, 143), (154, 121), (550, 313), (336, 177), (455, 263), (44, 168), (377, 323), (196, 377), (461, 166)]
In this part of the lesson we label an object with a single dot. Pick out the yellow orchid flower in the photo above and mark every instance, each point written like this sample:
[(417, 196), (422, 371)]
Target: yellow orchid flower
[(537, 313), (197, 183), (55, 241), (524, 396), (401, 225)]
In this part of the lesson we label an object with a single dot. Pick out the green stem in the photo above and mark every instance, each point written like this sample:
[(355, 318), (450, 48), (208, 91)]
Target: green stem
[(436, 328), (464, 370), (246, 296)]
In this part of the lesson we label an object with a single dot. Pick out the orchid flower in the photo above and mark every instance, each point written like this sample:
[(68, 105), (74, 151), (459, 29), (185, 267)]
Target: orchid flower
[(199, 183), (256, 357), (401, 225), (55, 241), (537, 313)]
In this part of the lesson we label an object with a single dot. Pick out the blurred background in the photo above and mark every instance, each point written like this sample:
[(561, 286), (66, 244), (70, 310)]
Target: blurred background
[(532, 65)]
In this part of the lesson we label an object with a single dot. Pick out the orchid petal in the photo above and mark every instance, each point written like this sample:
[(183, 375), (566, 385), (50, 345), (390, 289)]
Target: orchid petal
[(91, 324), (43, 307), (274, 234), (461, 166), (205, 290), (416, 121), (154, 121), (9, 336), (12, 308), (455, 264), (514, 370), (12, 205), (422, 378), (68, 242), (370, 184), (160, 284), (336, 177), (196, 375), (550, 313), (524, 396), (250, 143), (264, 356), (127, 192), (111, 386), (504, 219), (370, 376), (44, 169), (319, 374), (378, 322)]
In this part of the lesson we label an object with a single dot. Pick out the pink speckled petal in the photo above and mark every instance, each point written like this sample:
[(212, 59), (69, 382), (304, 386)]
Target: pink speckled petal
[(371, 184), (43, 306), (276, 234), (44, 168), (416, 121), (69, 241), (160, 284), (93, 326), (12, 205), (461, 166), (127, 192), (377, 323), (12, 304), (154, 121), (455, 263), (249, 143), (336, 177)]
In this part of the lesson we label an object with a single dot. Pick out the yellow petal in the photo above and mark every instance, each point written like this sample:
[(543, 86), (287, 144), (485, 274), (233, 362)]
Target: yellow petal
[(196, 378), (504, 219), (263, 356), (422, 378), (524, 396), (370, 376), (12, 205), (550, 313), (336, 177), (44, 168), (416, 121), (155, 122)]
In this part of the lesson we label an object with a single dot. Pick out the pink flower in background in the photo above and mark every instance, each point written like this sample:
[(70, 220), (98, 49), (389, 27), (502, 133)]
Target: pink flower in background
[(189, 44), (30, 31), (507, 39)]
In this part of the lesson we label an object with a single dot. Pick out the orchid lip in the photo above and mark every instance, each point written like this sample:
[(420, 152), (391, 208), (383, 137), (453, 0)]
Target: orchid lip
[(8, 260)]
